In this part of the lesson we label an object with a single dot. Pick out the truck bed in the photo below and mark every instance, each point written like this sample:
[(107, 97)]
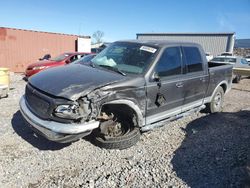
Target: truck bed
[(218, 72)]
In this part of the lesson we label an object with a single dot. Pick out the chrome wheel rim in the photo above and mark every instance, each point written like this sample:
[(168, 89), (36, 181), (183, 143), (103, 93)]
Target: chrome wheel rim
[(218, 100)]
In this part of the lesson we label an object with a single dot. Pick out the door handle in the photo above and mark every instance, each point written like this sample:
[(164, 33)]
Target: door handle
[(179, 84)]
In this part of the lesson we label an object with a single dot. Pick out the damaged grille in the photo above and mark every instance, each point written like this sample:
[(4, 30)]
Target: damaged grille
[(37, 103)]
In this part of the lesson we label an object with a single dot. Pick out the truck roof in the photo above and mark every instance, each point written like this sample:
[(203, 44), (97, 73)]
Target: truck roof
[(160, 43)]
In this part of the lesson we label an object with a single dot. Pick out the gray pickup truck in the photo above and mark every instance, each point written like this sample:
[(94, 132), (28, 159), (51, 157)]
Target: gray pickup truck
[(130, 87)]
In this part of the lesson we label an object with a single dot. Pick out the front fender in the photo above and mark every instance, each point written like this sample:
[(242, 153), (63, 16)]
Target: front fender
[(132, 105)]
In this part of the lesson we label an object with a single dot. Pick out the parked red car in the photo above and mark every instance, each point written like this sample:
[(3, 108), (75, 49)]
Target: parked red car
[(60, 60)]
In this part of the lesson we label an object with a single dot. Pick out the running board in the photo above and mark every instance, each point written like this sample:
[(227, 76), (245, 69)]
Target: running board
[(165, 121)]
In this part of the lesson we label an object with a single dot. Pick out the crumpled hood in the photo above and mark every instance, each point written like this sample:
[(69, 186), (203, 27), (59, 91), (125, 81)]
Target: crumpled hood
[(72, 80)]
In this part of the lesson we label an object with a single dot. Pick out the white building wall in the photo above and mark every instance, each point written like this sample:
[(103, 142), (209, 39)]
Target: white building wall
[(84, 44)]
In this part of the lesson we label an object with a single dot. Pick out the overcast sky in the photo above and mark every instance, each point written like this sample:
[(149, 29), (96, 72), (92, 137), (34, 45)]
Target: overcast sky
[(123, 19)]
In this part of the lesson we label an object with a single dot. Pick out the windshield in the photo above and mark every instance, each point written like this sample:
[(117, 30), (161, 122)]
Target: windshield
[(60, 57), (224, 59), (85, 59), (126, 57)]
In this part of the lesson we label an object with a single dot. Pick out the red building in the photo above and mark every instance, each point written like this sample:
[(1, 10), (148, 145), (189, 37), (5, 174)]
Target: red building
[(18, 47)]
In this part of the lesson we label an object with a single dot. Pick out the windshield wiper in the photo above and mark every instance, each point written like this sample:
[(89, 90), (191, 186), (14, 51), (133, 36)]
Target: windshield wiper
[(113, 69)]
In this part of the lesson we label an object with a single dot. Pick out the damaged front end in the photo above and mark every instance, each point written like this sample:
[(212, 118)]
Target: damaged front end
[(66, 120), (58, 119), (77, 111)]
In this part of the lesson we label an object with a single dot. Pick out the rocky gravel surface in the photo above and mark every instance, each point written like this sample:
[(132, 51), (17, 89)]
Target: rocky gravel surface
[(201, 150)]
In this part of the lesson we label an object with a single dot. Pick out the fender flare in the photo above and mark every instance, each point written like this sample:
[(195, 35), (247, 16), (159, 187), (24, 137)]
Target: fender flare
[(133, 106), (221, 83)]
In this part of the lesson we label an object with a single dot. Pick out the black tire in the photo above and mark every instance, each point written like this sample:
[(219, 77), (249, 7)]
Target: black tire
[(122, 142), (237, 79), (216, 104)]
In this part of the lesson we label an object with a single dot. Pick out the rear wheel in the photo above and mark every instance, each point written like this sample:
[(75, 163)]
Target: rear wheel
[(216, 104)]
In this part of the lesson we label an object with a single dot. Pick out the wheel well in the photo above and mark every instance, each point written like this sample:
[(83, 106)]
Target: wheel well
[(224, 87), (123, 111)]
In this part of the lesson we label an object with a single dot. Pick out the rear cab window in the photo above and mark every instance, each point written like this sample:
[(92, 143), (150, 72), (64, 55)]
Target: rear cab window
[(193, 59)]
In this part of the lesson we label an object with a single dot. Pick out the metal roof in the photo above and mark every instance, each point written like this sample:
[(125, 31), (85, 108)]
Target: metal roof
[(44, 32), (191, 33)]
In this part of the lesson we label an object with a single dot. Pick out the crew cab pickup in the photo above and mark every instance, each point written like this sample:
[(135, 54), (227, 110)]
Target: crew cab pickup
[(130, 87)]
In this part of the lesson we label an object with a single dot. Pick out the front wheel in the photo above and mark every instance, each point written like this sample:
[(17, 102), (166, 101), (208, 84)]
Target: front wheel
[(116, 135), (216, 104)]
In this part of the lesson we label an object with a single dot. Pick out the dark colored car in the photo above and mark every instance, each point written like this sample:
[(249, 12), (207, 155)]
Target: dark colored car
[(128, 88), (60, 60)]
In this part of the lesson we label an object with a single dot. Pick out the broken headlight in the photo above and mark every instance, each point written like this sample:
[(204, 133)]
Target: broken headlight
[(67, 111)]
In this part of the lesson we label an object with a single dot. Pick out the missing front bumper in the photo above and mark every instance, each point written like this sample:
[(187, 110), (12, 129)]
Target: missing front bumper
[(55, 131)]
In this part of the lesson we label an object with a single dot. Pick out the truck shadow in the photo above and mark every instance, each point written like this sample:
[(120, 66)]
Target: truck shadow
[(23, 130), (216, 151)]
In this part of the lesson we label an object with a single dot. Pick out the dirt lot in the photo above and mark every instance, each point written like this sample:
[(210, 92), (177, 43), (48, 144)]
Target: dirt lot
[(197, 151)]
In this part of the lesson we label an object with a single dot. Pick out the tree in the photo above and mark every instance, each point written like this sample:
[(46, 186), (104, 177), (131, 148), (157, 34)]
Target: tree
[(98, 35)]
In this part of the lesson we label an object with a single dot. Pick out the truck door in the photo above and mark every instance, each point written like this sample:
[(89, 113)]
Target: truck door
[(165, 89), (196, 77)]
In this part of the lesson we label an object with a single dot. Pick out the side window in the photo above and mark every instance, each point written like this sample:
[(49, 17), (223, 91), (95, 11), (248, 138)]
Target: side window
[(73, 58), (193, 59), (170, 62)]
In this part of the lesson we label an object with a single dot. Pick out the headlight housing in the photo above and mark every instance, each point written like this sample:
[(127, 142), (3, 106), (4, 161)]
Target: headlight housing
[(67, 111)]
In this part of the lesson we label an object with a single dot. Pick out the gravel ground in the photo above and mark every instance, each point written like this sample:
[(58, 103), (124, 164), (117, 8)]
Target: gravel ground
[(201, 150)]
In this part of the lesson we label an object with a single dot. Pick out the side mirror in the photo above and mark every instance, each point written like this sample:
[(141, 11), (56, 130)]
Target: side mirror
[(67, 61), (156, 77)]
